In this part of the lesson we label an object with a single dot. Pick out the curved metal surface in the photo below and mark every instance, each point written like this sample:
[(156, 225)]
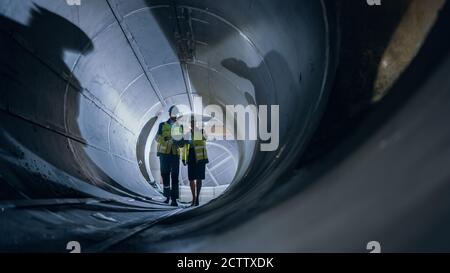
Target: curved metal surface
[(92, 81), (81, 83)]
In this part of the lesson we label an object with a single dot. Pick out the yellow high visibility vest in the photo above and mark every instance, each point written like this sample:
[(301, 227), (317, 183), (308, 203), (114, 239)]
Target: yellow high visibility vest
[(168, 147), (201, 153)]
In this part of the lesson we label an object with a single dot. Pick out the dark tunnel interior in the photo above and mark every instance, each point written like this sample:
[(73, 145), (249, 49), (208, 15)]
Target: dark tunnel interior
[(363, 141)]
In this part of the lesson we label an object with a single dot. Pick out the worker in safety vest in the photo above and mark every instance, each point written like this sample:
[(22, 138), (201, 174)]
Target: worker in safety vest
[(170, 140), (195, 155)]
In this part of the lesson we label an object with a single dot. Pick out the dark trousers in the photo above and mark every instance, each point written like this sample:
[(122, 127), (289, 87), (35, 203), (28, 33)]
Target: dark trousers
[(170, 168)]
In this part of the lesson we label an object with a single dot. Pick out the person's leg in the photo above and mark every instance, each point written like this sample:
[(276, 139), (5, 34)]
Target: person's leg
[(199, 188), (175, 171), (165, 174), (166, 184), (192, 184), (201, 174), (191, 177)]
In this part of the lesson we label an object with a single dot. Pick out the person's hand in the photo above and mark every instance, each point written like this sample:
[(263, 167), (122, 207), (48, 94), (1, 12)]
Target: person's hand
[(184, 162), (182, 143)]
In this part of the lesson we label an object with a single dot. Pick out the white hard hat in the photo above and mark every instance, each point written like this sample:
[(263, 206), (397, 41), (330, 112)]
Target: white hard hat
[(174, 111)]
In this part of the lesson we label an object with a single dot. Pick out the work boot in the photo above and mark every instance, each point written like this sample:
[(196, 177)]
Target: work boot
[(174, 203)]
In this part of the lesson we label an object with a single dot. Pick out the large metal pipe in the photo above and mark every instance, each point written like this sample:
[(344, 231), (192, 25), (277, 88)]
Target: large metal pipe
[(83, 87), (81, 84), (92, 76)]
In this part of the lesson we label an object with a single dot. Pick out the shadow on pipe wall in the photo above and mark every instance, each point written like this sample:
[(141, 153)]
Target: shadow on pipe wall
[(42, 150)]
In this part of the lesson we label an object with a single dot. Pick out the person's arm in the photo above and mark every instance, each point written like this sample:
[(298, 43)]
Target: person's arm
[(159, 137)]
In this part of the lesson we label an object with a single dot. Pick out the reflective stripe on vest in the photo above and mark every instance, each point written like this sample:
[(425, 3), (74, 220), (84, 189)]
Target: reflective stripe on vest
[(200, 152)]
